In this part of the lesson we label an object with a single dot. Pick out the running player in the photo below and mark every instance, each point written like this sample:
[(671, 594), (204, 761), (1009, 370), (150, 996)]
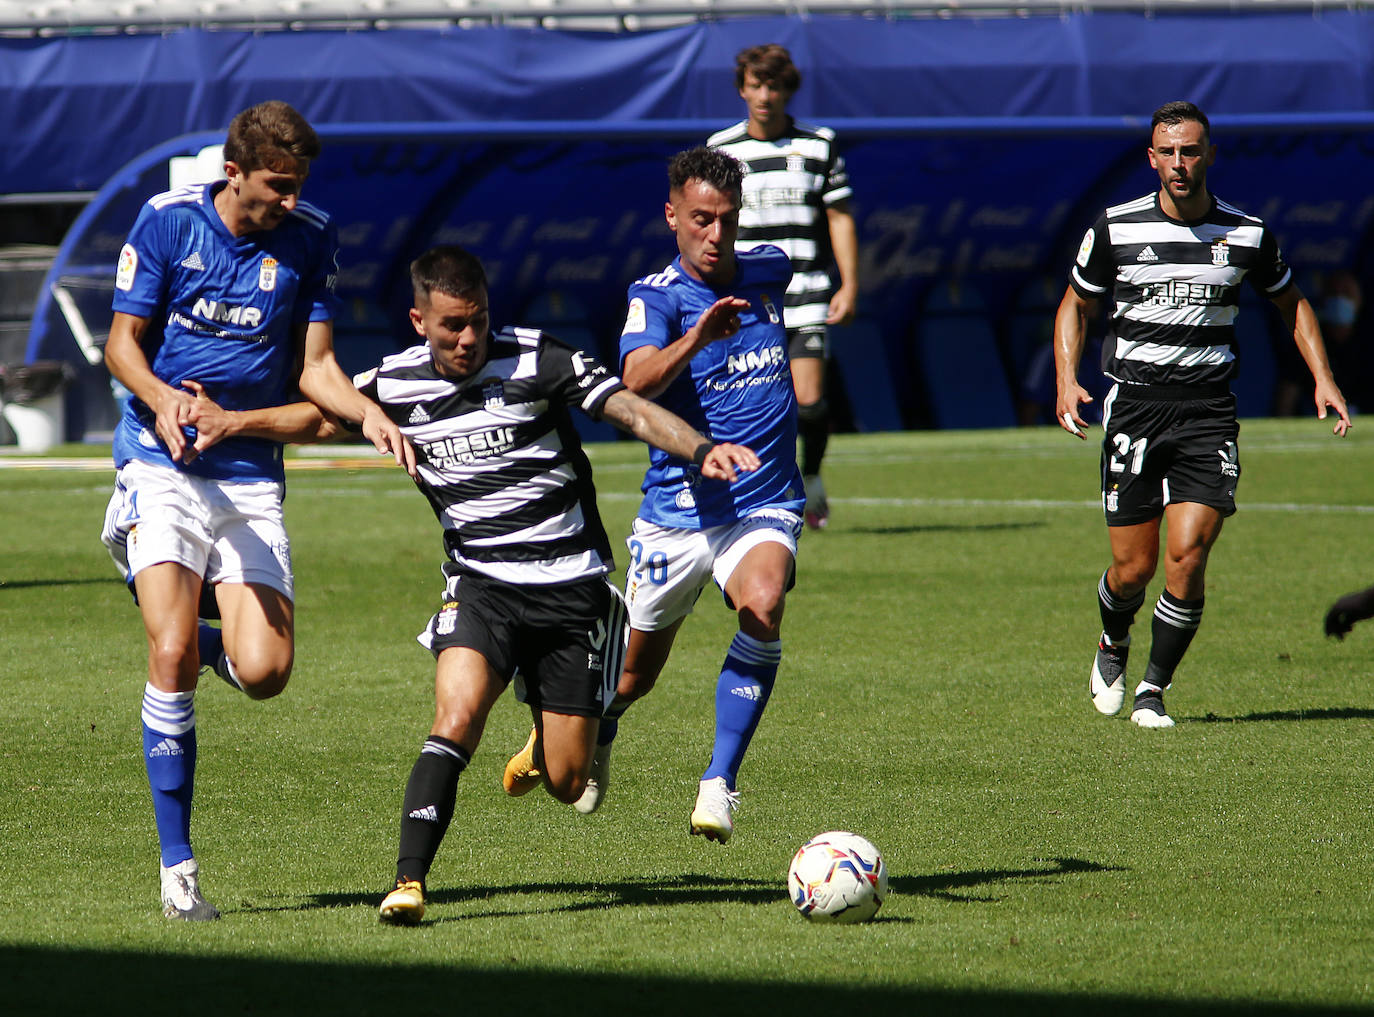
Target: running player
[(1173, 262), (526, 594), (796, 197), (705, 338), (221, 291)]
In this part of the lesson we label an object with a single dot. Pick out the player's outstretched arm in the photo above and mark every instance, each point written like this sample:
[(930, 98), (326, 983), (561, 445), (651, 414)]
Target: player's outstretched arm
[(649, 370), (1070, 331), (1301, 321), (301, 422), (323, 382), (663, 429)]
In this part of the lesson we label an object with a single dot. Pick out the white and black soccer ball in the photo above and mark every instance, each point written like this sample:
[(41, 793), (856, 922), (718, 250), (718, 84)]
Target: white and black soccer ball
[(837, 877)]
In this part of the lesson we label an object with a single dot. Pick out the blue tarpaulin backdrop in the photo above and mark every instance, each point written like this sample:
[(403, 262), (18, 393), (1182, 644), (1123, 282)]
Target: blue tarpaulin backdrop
[(979, 148), (73, 109)]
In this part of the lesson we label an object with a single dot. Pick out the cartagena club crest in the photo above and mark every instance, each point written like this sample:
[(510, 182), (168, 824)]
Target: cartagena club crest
[(493, 394)]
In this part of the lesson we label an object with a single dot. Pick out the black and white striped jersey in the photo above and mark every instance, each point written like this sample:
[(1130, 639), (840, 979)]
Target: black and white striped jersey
[(498, 457), (788, 184), (1176, 288)]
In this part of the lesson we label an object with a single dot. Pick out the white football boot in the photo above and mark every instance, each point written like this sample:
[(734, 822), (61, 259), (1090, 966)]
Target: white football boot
[(714, 814), (181, 893), (597, 781)]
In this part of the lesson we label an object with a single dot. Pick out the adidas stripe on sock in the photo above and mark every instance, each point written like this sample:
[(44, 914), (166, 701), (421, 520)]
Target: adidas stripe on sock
[(1172, 629), (169, 757), (1118, 613), (742, 691), (428, 805)]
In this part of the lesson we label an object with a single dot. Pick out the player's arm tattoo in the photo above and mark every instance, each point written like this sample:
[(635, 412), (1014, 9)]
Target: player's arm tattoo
[(651, 423)]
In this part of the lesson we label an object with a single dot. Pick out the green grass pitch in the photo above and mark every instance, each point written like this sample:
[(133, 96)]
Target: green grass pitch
[(933, 697)]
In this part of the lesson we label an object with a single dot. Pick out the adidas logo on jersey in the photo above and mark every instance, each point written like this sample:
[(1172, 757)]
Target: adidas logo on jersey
[(193, 262), (418, 415), (165, 748), (429, 814), (1147, 255)]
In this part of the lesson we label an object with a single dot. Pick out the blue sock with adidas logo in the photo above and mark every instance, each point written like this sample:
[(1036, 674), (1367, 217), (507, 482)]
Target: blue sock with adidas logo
[(169, 754), (746, 680)]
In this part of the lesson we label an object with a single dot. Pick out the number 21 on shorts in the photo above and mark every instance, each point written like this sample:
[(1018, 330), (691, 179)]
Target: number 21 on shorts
[(1127, 449)]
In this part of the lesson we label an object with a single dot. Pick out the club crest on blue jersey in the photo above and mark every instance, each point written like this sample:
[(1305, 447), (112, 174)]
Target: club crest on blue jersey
[(267, 275)]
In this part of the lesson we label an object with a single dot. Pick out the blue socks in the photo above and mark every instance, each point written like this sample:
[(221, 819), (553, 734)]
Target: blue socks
[(210, 643), (169, 754), (746, 680)]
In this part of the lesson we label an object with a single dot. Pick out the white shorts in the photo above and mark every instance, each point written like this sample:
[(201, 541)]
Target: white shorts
[(670, 567), (223, 530)]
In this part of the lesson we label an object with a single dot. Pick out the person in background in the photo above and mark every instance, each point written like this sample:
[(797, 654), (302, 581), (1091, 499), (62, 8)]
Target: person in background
[(796, 197)]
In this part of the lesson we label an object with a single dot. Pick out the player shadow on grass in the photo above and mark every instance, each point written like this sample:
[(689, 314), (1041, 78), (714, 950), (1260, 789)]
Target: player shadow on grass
[(689, 888), (894, 531), (944, 885), (1323, 713), (28, 584), (694, 888)]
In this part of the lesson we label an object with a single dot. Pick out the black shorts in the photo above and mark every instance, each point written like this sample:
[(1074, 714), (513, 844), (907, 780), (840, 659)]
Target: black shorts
[(564, 645), (1158, 451), (810, 343)]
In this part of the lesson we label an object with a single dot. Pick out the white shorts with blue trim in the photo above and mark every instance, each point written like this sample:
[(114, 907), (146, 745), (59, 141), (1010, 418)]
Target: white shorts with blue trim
[(669, 567), (225, 531)]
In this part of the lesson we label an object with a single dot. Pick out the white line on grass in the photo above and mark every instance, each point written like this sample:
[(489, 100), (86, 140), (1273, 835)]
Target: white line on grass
[(294, 465)]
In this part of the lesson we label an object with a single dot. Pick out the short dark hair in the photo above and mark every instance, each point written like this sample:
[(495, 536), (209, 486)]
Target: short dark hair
[(449, 269), (270, 135), (709, 165), (1178, 112), (770, 63)]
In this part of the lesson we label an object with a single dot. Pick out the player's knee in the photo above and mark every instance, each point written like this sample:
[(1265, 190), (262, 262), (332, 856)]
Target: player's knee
[(567, 788), (565, 782), (1129, 576), (263, 677), (173, 665), (266, 688), (1187, 570), (760, 615)]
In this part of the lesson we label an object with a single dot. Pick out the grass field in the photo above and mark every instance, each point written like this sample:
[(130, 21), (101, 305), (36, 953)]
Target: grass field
[(933, 698)]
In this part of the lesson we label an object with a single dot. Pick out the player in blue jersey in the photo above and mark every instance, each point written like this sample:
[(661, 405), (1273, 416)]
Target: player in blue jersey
[(705, 339), (223, 304)]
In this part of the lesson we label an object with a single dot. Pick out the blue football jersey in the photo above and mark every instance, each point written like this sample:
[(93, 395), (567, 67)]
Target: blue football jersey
[(735, 390), (222, 311)]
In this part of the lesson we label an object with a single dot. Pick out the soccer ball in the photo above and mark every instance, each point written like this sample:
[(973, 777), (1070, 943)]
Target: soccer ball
[(837, 877)]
